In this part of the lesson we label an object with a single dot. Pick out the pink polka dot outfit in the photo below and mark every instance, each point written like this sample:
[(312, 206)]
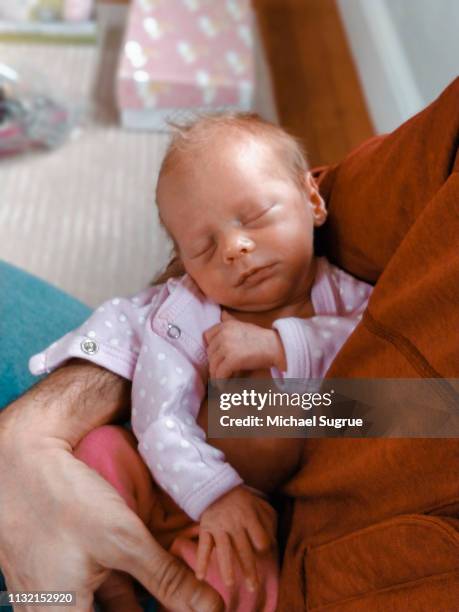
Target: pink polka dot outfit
[(156, 340)]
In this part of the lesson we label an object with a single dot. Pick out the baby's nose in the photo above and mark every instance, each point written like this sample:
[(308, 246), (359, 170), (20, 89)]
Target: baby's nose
[(236, 246)]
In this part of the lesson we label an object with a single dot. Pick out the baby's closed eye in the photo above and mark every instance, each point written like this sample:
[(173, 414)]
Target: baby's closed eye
[(203, 250), (252, 219)]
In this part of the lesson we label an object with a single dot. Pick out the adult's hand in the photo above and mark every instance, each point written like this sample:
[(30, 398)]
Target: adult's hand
[(62, 526)]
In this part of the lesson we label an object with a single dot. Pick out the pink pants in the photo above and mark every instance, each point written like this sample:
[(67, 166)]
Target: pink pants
[(111, 451)]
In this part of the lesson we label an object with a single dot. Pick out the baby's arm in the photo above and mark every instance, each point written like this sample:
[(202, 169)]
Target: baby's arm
[(242, 349), (172, 445), (295, 347), (262, 463), (241, 521)]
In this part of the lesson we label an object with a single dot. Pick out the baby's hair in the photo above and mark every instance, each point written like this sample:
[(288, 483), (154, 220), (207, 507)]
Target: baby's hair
[(188, 138)]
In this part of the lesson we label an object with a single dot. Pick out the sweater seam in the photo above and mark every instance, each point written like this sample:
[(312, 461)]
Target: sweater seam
[(411, 353)]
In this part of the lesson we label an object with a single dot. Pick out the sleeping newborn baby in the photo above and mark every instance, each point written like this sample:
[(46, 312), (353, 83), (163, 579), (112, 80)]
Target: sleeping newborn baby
[(244, 296)]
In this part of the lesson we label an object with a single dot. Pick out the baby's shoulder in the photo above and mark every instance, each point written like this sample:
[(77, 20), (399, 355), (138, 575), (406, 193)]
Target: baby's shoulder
[(340, 277), (348, 290)]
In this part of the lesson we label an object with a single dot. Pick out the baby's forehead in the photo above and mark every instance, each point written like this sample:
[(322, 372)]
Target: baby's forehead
[(222, 149)]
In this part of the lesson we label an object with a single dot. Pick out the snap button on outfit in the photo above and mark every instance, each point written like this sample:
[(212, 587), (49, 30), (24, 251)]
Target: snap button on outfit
[(89, 347), (173, 331)]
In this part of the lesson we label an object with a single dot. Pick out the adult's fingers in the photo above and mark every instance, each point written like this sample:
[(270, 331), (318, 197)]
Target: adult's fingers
[(117, 594), (163, 575)]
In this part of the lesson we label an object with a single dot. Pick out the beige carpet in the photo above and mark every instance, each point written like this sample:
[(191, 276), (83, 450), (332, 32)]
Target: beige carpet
[(83, 217)]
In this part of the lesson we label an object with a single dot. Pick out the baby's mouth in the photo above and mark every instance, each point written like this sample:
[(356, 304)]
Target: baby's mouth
[(254, 275)]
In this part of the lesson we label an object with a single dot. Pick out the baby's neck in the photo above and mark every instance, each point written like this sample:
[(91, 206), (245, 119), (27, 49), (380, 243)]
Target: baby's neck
[(300, 307), (267, 318)]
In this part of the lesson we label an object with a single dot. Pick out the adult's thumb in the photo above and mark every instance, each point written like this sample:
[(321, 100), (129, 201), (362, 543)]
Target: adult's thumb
[(168, 579)]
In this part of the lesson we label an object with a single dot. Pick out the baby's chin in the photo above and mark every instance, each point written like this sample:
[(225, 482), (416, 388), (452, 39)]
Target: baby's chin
[(251, 307), (257, 302)]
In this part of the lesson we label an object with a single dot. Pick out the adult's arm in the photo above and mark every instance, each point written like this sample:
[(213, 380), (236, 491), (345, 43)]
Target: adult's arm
[(62, 526)]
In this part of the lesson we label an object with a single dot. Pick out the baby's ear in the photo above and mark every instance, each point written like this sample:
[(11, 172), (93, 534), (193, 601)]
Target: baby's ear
[(316, 201)]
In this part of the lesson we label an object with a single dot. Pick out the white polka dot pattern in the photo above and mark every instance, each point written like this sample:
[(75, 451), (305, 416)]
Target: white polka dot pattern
[(124, 335), (178, 454)]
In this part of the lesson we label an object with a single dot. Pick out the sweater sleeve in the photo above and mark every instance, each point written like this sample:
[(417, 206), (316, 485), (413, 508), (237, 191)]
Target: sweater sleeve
[(174, 447)]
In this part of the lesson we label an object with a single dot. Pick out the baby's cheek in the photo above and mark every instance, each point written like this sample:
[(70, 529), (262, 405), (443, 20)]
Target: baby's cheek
[(210, 281)]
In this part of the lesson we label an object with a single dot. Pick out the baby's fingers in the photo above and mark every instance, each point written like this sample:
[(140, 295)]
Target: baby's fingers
[(215, 360), (225, 368), (268, 518), (261, 539), (205, 547), (225, 557), (246, 559), (212, 332)]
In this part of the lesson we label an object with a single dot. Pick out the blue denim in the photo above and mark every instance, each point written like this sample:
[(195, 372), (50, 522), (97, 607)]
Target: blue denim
[(32, 315)]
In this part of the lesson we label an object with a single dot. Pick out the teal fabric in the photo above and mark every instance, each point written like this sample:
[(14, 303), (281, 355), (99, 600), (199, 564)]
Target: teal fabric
[(32, 315)]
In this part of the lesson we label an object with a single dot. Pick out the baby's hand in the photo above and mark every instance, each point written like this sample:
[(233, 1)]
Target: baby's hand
[(237, 523), (233, 346)]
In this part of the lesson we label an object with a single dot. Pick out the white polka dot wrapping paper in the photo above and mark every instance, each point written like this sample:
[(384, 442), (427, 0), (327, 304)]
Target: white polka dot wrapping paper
[(182, 55)]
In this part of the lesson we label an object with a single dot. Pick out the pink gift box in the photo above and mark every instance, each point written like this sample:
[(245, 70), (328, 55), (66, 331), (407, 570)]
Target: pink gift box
[(181, 56)]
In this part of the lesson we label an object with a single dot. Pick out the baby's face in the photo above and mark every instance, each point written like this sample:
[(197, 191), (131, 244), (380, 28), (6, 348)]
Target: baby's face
[(243, 228)]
